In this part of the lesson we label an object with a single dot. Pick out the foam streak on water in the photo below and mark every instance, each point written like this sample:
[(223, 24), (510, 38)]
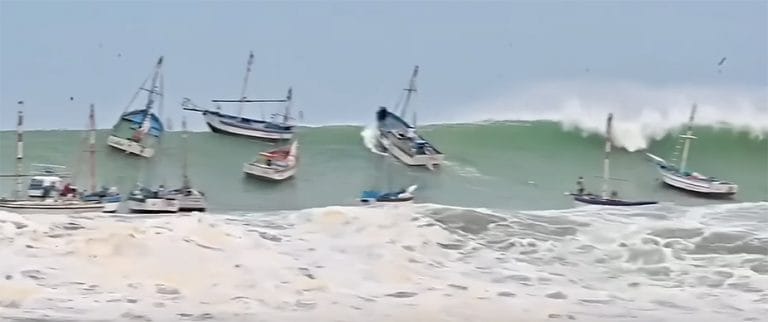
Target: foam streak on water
[(413, 263)]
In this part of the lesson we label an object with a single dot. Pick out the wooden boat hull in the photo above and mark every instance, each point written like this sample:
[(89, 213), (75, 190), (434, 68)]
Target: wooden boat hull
[(53, 207), (701, 187), (192, 201), (153, 205), (269, 173), (130, 146), (597, 200), (228, 124), (367, 201), (409, 159)]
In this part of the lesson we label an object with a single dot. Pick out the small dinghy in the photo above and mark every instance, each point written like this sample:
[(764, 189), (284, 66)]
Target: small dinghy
[(402, 195), (594, 199), (389, 194), (275, 165), (681, 178), (605, 199)]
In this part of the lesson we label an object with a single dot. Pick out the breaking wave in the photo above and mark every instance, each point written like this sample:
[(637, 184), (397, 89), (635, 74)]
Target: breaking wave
[(642, 113)]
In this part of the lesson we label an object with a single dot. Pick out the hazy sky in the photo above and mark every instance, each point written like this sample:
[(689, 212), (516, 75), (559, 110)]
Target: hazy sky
[(345, 58)]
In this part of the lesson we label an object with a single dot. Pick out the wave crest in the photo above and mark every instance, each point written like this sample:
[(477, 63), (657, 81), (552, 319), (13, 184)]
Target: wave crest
[(642, 112)]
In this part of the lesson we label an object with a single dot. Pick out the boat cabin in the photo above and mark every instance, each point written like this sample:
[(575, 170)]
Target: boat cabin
[(44, 186), (277, 158)]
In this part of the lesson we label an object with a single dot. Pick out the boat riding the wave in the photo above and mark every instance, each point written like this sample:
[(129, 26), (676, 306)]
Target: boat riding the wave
[(275, 165), (146, 200), (279, 127), (46, 192), (138, 131), (605, 198), (681, 177), (400, 138)]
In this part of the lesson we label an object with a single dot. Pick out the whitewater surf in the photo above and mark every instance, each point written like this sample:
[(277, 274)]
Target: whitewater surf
[(406, 263)]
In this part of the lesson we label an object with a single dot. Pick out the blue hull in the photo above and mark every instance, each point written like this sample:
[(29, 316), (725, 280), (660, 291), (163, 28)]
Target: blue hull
[(597, 200)]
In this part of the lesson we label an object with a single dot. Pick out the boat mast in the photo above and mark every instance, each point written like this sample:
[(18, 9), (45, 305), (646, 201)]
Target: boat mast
[(606, 160), (288, 99), (92, 147), (184, 176), (245, 85), (152, 92), (409, 91), (688, 136), (19, 150)]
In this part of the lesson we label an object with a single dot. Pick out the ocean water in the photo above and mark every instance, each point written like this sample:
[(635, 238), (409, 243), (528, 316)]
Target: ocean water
[(492, 237)]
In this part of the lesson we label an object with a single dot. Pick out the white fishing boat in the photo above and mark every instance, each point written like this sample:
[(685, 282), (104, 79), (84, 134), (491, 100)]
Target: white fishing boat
[(400, 138), (45, 193), (276, 165), (138, 131), (683, 178), (605, 198), (278, 127), (190, 199), (145, 200)]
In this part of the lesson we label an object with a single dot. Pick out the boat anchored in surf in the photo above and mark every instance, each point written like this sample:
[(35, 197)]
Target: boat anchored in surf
[(138, 131), (45, 193), (276, 165), (682, 178), (400, 139), (190, 199), (145, 200), (605, 199), (278, 128)]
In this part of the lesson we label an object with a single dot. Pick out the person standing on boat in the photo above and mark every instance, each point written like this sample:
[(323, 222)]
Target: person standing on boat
[(580, 186)]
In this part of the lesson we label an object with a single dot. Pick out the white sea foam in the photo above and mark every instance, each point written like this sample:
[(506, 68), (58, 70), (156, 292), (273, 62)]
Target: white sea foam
[(642, 112), (369, 135), (409, 263)]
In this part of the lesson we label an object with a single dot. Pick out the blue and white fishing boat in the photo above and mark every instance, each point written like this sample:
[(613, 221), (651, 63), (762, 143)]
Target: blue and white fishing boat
[(400, 139), (278, 127), (399, 196), (138, 131), (682, 178), (606, 199), (388, 195)]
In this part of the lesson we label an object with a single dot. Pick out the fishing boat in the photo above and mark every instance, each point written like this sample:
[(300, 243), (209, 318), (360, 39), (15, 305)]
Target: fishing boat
[(681, 177), (400, 138), (110, 197), (138, 131), (49, 197), (606, 199), (276, 165), (278, 127), (190, 199), (374, 196), (145, 200)]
